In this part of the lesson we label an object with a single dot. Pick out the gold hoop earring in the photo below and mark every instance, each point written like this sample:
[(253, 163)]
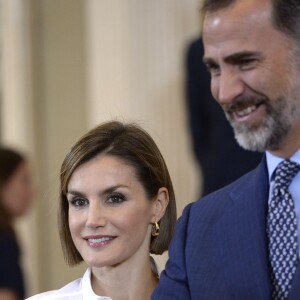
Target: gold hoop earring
[(155, 229)]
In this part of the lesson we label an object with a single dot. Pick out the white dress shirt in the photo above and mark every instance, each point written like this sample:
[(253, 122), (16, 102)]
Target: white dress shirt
[(294, 188), (79, 289)]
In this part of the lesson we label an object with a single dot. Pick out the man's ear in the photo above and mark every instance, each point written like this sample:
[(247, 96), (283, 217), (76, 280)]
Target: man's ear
[(160, 204)]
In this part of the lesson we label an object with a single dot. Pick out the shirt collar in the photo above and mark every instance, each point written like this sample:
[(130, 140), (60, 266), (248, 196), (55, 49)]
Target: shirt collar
[(87, 290), (273, 161)]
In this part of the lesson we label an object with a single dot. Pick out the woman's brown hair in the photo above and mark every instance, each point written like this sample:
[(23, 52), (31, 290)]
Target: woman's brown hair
[(132, 144)]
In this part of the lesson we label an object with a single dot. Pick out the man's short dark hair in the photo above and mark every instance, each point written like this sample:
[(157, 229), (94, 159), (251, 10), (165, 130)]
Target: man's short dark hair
[(285, 15)]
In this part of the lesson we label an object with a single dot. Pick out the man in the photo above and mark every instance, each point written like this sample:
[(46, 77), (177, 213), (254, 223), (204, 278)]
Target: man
[(242, 242)]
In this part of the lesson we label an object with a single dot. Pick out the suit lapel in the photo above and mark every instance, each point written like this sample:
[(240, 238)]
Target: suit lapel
[(249, 211)]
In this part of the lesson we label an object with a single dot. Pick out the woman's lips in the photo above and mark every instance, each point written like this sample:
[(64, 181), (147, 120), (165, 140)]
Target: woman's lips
[(98, 241)]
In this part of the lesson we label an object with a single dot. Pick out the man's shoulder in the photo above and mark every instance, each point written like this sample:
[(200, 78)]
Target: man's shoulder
[(238, 186), (211, 207), (70, 291)]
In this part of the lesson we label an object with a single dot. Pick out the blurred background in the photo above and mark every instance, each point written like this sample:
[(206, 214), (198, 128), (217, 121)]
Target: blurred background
[(67, 65)]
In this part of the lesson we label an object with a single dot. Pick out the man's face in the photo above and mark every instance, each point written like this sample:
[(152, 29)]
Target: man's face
[(252, 76)]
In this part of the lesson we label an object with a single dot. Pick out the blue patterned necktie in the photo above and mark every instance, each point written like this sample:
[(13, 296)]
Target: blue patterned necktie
[(282, 231)]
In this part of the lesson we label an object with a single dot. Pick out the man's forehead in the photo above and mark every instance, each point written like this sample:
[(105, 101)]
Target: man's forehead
[(240, 11), (237, 6), (236, 26)]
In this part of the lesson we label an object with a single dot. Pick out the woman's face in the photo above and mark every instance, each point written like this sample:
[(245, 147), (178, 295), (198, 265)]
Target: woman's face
[(109, 214), (18, 192)]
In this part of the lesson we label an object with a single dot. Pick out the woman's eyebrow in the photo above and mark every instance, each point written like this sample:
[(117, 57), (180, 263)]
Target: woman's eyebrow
[(107, 191), (113, 188), (75, 193)]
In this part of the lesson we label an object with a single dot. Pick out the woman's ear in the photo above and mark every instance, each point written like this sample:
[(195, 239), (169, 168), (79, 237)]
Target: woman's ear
[(160, 204)]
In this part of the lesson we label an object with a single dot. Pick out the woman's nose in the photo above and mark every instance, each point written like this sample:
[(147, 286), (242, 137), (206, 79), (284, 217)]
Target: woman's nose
[(96, 216)]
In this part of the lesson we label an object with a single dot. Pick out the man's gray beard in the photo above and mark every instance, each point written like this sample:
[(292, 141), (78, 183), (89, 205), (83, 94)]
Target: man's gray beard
[(269, 135)]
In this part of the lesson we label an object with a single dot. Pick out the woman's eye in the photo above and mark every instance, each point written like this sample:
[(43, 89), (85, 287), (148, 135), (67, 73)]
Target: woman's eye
[(78, 202), (116, 198)]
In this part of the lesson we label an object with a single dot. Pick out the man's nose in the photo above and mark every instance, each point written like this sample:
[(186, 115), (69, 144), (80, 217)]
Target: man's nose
[(229, 86)]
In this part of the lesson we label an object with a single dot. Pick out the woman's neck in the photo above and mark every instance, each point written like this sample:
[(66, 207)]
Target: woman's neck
[(125, 281)]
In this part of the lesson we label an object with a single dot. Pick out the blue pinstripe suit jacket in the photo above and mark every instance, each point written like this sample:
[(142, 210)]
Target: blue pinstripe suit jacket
[(220, 246)]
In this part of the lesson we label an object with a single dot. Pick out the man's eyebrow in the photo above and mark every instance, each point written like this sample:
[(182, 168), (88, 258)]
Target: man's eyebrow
[(237, 57), (233, 58)]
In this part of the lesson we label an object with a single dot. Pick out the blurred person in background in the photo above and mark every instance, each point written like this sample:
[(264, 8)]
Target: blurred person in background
[(221, 159), (16, 194), (116, 207)]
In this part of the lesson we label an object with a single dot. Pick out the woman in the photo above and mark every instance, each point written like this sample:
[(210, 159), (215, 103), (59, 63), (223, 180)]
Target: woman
[(16, 193), (117, 206)]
